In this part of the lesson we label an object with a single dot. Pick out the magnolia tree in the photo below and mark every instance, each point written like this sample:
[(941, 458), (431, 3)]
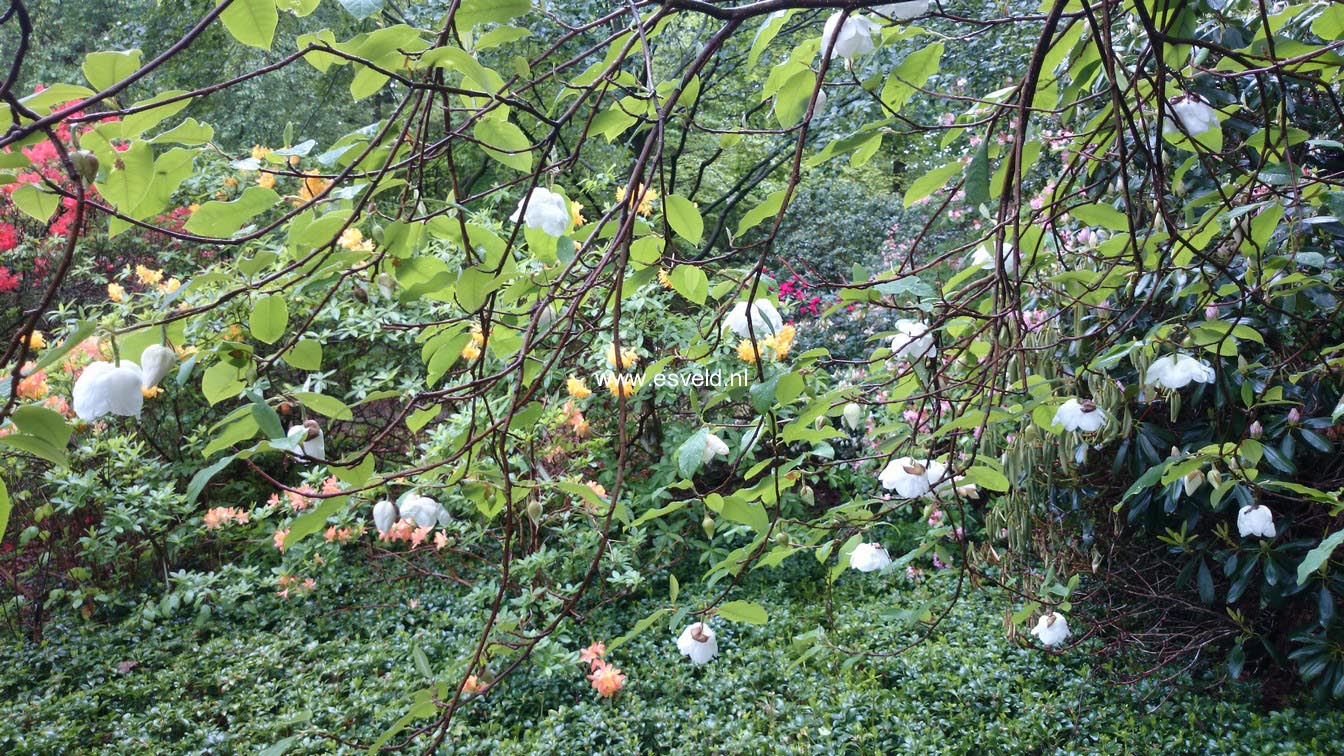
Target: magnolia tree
[(525, 331)]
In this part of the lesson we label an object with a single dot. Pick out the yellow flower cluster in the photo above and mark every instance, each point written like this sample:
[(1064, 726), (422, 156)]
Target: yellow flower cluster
[(472, 350), (620, 385), (643, 203), (169, 286), (629, 357), (780, 344), (577, 388), (353, 240), (148, 276), (576, 213), (311, 187), (266, 180), (664, 279), (37, 341), (259, 152), (116, 292)]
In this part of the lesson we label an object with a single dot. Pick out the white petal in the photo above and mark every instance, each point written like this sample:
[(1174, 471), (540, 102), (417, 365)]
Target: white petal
[(156, 362)]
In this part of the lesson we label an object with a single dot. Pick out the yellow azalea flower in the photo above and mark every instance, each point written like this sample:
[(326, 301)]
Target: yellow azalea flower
[(477, 338), (746, 351), (353, 240), (151, 392), (620, 385), (312, 186), (576, 213), (782, 341), (664, 279), (293, 159), (235, 332), (184, 352), (230, 181), (148, 276), (115, 292), (37, 341), (629, 357), (644, 203), (170, 286), (471, 351), (259, 152), (577, 388), (193, 207), (266, 180)]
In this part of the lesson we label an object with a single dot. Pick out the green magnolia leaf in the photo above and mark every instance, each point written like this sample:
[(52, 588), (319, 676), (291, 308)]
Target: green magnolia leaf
[(35, 202), (304, 355), (270, 316), (977, 176), (103, 69), (201, 478), (251, 22), (505, 142), (312, 521), (930, 182), (1318, 556), (767, 209), (690, 282), (743, 611), (362, 9), (684, 218), (322, 404), (6, 506), (222, 219)]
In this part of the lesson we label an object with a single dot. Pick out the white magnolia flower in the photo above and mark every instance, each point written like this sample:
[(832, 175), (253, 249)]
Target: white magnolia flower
[(156, 362), (384, 515), (546, 210), (425, 511), (912, 478), (714, 446), (984, 258), (314, 444), (904, 11), (913, 340), (698, 642), (1080, 415), (104, 388), (1177, 371), (1192, 481), (765, 319), (853, 416), (1255, 521), (852, 38), (869, 557), (1192, 114), (1051, 629)]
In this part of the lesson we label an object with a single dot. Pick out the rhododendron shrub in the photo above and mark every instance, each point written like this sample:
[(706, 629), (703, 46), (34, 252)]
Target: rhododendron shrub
[(519, 333)]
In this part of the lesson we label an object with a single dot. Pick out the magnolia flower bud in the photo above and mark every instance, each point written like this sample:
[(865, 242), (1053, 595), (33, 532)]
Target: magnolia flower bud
[(534, 511), (708, 525), (86, 163), (1215, 478), (807, 495)]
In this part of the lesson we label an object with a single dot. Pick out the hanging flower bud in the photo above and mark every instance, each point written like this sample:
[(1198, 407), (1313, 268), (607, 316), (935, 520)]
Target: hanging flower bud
[(698, 643), (155, 363), (1192, 481), (708, 525)]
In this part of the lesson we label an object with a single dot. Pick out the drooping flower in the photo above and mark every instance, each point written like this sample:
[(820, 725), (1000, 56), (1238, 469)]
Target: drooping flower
[(1256, 521), (384, 516), (904, 11), (1191, 114), (913, 340), (912, 478), (761, 315), (577, 388), (853, 414), (1176, 371), (104, 388), (155, 363), (714, 447), (607, 679), (424, 511), (850, 37), (314, 443), (697, 641), (545, 210), (1051, 629), (1081, 415), (869, 557), (1191, 481), (984, 258)]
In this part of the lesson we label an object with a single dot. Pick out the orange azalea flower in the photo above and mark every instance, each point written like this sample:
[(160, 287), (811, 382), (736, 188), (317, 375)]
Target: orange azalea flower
[(331, 485), (607, 680), (279, 538), (338, 535), (440, 540), (577, 388), (472, 686), (312, 186), (34, 385), (594, 653), (418, 536), (58, 403)]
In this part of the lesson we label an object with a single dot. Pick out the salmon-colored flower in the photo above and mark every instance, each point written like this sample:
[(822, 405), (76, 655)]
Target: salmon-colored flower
[(440, 540), (594, 653), (34, 385), (279, 538), (472, 686), (220, 516), (419, 535), (607, 679)]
